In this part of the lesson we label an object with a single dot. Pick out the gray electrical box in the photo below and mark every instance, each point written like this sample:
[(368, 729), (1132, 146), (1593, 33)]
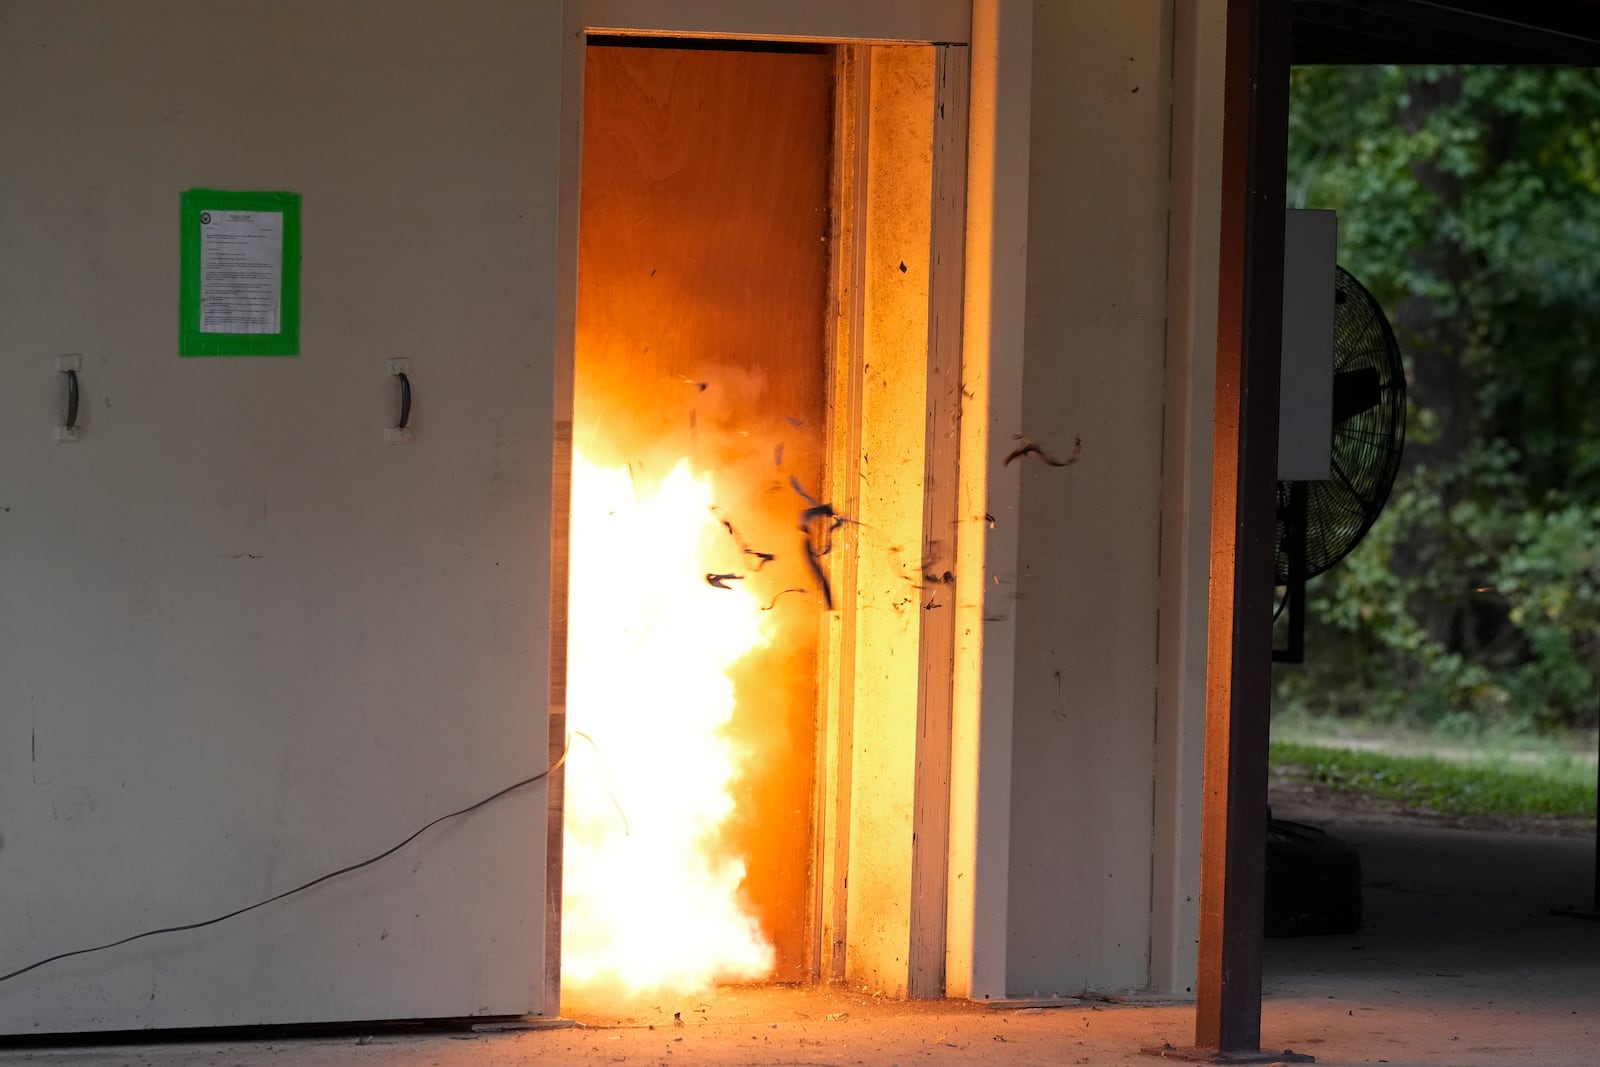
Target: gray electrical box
[(1305, 400)]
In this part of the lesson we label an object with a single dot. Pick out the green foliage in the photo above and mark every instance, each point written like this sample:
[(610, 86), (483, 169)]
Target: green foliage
[(1447, 787), (1524, 585), (1469, 203)]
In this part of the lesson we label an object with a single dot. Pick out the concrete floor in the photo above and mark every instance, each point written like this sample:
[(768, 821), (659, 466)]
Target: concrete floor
[(1460, 960), (1460, 965)]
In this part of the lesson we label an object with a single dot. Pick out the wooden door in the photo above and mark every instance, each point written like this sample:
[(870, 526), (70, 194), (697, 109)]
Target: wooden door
[(701, 332)]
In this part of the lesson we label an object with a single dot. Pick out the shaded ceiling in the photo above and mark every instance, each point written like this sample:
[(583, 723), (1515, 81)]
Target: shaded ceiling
[(1558, 32)]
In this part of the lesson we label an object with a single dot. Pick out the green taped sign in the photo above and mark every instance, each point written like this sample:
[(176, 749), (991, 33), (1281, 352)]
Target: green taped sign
[(240, 282)]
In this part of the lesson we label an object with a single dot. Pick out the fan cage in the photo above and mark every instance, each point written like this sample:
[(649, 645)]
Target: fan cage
[(1366, 446)]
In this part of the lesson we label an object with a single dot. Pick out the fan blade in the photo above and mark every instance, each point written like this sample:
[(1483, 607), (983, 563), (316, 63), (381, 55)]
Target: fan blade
[(1355, 391)]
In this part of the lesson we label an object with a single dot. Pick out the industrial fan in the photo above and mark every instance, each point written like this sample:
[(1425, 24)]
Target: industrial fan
[(1313, 879), (1319, 522)]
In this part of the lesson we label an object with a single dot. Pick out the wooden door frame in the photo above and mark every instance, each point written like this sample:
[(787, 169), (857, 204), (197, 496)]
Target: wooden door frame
[(857, 256)]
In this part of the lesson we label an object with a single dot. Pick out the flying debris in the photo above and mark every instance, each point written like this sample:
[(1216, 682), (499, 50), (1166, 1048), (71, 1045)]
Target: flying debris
[(720, 581), (794, 483), (763, 558), (1028, 448), (822, 579), (774, 601), (818, 521)]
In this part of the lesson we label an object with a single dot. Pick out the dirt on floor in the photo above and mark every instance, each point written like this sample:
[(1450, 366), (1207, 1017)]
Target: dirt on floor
[(1341, 1020)]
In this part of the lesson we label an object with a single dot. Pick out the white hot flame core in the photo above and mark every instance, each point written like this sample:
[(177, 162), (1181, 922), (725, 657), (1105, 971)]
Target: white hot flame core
[(650, 903)]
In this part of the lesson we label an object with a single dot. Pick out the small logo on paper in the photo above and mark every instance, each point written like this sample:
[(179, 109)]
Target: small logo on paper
[(205, 218)]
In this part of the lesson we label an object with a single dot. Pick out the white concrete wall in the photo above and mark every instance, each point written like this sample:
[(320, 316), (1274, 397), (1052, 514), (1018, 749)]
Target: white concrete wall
[(1087, 583), (407, 127), (242, 641)]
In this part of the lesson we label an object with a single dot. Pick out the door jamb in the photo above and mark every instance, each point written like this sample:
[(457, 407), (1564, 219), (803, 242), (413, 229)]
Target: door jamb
[(928, 788)]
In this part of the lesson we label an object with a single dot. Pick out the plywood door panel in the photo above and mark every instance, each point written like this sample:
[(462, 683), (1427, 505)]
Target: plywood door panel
[(702, 297), (243, 642)]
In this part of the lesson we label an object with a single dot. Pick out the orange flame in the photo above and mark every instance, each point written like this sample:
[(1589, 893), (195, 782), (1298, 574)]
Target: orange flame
[(650, 902)]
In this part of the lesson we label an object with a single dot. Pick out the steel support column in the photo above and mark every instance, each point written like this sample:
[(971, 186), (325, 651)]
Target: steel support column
[(1239, 668)]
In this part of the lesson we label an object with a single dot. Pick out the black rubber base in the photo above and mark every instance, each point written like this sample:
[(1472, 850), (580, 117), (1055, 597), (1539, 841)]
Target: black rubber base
[(1313, 882)]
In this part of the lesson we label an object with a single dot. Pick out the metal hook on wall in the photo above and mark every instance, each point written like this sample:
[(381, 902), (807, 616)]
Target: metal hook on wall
[(405, 401), (69, 366), (400, 432)]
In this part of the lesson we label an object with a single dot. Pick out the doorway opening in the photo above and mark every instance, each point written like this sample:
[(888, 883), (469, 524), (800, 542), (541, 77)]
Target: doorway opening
[(766, 377), (696, 602)]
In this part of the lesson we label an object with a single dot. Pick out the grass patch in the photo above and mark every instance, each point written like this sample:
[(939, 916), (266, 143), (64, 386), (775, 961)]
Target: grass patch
[(1450, 787)]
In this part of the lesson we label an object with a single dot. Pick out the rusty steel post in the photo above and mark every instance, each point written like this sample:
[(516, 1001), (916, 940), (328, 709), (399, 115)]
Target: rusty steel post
[(1239, 667)]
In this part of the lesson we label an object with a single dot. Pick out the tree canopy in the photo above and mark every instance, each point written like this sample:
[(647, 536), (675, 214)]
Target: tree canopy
[(1469, 203)]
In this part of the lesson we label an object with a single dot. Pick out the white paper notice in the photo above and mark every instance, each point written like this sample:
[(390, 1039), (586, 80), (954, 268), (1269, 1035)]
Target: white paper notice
[(241, 271)]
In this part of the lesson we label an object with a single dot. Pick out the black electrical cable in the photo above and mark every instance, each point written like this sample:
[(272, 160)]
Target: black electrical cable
[(299, 888)]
